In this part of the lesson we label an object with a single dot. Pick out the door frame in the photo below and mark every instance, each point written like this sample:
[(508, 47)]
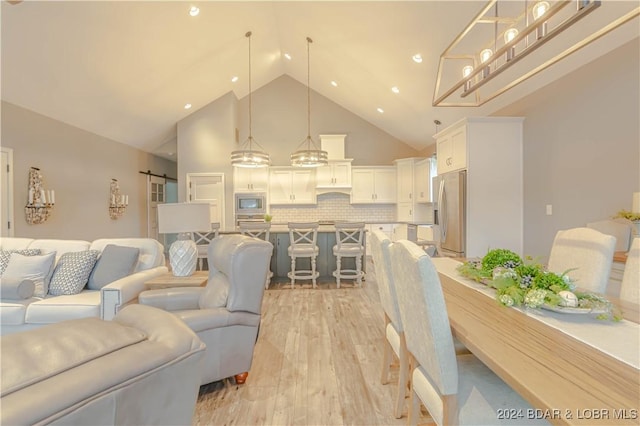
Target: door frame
[(10, 219), (223, 207)]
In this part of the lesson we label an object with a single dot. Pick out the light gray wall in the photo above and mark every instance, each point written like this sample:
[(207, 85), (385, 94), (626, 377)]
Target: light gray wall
[(581, 147), (79, 166), (205, 141), (279, 124)]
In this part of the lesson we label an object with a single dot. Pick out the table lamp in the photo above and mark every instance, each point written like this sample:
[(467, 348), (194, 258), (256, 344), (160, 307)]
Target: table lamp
[(183, 218)]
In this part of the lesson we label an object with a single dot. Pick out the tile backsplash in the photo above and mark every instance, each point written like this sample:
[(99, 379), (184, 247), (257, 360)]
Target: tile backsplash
[(334, 206)]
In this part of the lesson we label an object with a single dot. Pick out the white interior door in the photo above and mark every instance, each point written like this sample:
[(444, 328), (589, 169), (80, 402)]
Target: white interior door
[(209, 188), (156, 194), (6, 203)]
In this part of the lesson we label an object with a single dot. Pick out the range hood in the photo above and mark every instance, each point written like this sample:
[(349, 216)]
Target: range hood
[(336, 176)]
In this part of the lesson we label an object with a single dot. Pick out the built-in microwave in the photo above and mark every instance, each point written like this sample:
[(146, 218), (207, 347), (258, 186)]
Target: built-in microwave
[(251, 203)]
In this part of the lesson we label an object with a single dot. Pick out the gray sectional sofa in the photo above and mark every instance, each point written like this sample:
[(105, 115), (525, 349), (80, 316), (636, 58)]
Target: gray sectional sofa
[(115, 287)]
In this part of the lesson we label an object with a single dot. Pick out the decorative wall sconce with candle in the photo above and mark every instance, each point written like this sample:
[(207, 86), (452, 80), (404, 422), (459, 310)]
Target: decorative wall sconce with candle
[(40, 201), (117, 202)]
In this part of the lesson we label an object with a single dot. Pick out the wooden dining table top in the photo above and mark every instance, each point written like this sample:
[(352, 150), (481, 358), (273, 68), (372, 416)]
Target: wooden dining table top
[(572, 368)]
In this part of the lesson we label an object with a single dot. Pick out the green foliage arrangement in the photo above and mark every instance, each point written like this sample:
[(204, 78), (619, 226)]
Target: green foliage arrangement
[(526, 282), (626, 214)]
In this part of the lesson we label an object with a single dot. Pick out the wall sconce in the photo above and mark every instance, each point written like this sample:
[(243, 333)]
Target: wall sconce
[(117, 202), (40, 201), (513, 32)]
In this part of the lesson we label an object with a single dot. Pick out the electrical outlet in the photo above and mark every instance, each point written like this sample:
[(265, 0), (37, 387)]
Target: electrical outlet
[(549, 209)]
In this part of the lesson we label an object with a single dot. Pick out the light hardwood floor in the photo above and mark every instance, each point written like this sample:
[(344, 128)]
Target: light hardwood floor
[(317, 361)]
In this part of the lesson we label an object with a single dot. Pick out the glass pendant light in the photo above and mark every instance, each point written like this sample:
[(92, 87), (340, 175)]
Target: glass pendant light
[(250, 154), (308, 154)]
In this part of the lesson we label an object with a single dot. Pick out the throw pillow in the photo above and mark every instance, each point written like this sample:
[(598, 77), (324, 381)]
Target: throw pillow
[(216, 292), (35, 268), (72, 272), (16, 289), (6, 254), (114, 263)]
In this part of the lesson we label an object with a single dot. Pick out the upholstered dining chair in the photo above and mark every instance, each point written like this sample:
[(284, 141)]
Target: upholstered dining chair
[(260, 230), (621, 230), (394, 332), (455, 390), (585, 255), (630, 287), (202, 240)]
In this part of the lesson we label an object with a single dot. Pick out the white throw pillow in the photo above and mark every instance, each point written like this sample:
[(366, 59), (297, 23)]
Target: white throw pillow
[(5, 255), (35, 268), (72, 272)]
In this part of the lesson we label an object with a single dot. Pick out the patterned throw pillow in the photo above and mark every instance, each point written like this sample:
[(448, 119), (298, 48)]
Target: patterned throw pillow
[(72, 272), (6, 254)]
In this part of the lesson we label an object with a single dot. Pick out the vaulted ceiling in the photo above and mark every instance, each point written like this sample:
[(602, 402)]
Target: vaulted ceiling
[(125, 70)]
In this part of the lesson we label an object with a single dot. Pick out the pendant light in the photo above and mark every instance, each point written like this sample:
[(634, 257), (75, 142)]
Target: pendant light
[(308, 154), (250, 154)]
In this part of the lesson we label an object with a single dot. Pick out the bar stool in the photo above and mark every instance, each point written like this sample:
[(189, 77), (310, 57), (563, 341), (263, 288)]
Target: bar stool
[(303, 237), (261, 231), (202, 240), (349, 236)]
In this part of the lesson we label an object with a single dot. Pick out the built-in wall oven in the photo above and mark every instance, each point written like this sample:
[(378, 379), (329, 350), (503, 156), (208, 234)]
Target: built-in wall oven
[(250, 206)]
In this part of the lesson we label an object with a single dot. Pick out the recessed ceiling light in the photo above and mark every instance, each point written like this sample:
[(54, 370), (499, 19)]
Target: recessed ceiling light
[(395, 89), (286, 55), (334, 83), (380, 110), (170, 154), (417, 58), (194, 11), (234, 78), (187, 106)]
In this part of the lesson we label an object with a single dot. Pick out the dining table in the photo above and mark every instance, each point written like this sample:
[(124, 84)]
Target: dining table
[(572, 367)]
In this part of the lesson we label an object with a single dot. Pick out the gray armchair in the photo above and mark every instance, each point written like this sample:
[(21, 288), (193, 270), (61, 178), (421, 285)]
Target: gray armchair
[(226, 313)]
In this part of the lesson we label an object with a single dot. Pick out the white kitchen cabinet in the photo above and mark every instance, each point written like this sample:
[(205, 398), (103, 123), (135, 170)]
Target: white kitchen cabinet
[(291, 185), (400, 232), (250, 179), (452, 150), (405, 177), (373, 185), (405, 212), (494, 181), (337, 174), (385, 228), (409, 208), (422, 181)]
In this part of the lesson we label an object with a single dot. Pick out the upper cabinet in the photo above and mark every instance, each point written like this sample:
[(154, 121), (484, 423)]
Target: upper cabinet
[(423, 180), (291, 185), (337, 174), (451, 145), (404, 173), (373, 185), (411, 184), (250, 179)]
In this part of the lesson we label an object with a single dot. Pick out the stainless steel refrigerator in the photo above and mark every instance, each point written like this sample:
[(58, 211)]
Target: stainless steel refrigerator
[(450, 190)]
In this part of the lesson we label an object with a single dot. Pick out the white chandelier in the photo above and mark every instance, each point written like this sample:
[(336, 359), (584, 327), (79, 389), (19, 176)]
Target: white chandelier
[(308, 153), (484, 55), (250, 154)]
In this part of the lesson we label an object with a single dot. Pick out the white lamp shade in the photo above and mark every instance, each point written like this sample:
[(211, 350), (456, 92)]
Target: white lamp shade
[(183, 217)]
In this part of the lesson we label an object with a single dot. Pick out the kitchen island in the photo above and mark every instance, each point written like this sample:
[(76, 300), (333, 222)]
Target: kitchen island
[(325, 263)]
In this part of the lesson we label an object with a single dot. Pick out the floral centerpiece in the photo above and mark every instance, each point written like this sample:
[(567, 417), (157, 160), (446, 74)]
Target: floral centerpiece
[(526, 282)]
